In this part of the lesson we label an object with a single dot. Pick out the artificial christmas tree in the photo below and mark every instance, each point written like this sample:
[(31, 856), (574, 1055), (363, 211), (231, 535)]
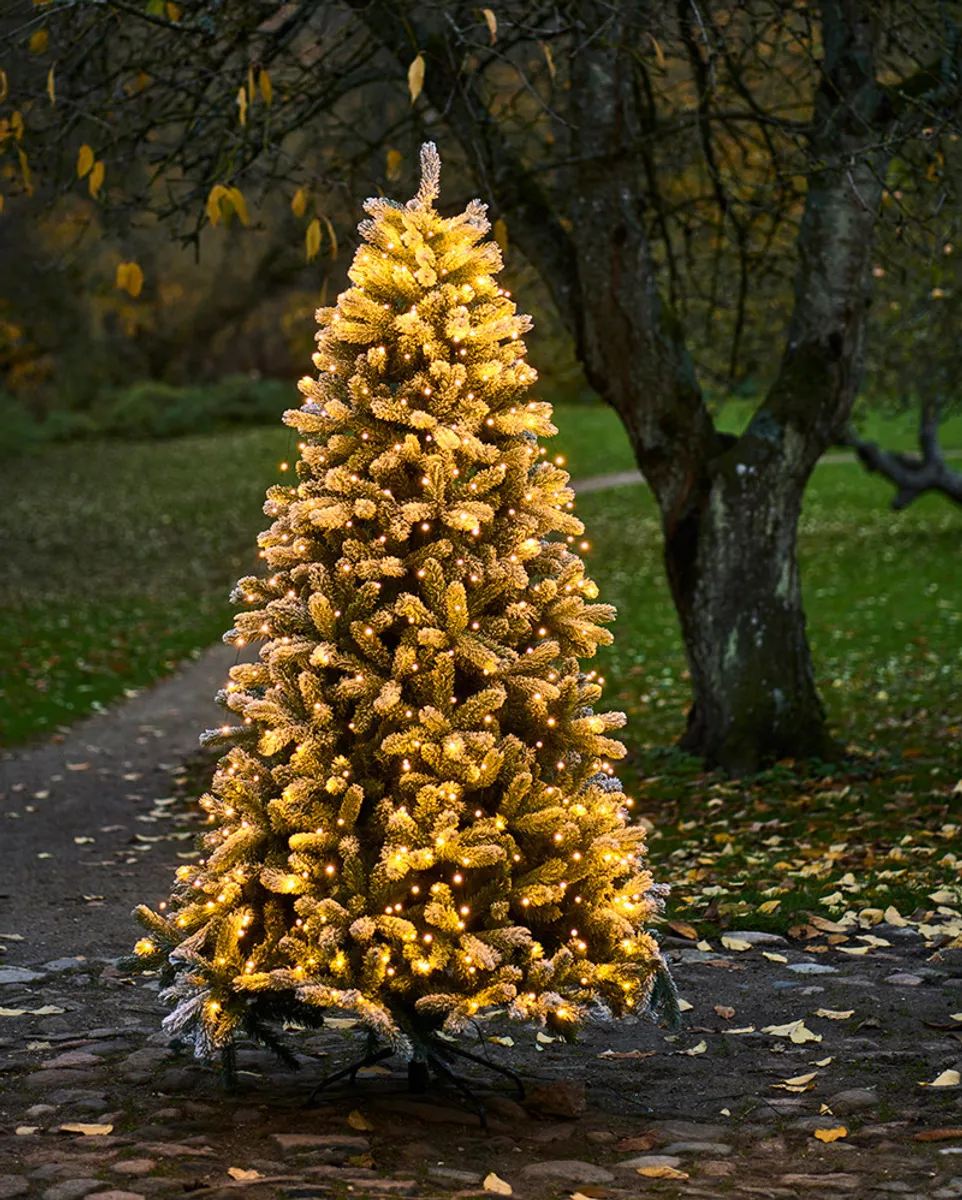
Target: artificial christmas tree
[(416, 817)]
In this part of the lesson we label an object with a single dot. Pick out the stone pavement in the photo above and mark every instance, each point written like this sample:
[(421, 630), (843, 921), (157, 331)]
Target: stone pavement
[(803, 1069)]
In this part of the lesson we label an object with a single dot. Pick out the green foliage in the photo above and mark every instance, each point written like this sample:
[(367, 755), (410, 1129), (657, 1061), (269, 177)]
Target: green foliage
[(149, 409)]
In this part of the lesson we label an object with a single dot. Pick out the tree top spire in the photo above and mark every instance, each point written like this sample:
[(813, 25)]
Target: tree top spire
[(430, 187)]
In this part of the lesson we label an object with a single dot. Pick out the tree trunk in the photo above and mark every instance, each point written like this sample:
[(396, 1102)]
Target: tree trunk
[(733, 572)]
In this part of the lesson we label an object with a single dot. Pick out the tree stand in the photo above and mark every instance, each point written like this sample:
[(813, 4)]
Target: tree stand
[(431, 1057)]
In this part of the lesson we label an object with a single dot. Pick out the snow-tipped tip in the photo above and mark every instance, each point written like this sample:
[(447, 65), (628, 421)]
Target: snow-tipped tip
[(430, 187)]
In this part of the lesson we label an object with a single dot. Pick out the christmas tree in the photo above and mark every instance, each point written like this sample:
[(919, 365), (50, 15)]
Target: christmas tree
[(416, 816)]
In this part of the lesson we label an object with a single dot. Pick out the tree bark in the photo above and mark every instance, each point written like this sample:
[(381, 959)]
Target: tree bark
[(729, 506), (911, 474)]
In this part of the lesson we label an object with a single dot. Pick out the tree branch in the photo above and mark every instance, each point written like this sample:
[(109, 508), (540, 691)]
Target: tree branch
[(910, 474)]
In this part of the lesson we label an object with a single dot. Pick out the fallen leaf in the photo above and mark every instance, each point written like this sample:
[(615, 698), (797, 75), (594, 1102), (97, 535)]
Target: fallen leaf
[(894, 917), (639, 1145), (833, 1015), (795, 1030), (79, 766), (953, 1017), (699, 1049), (822, 1062), (831, 1135), (25, 1130), (769, 906), (544, 1039), (943, 897), (853, 949), (871, 940), (240, 1173), (703, 945), (948, 1078), (779, 958), (684, 1005), (357, 1120), (18, 937), (500, 1187), (801, 1080), (734, 943), (724, 1011), (725, 1112), (629, 1053), (683, 929), (87, 1130), (48, 1010), (340, 1023), (661, 1173), (745, 1029), (83, 841), (938, 1135), (502, 1041), (827, 926)]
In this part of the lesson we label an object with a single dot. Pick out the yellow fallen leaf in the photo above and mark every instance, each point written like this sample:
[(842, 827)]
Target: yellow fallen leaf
[(87, 1130), (502, 1041), (795, 1030), (894, 917), (800, 1080), (415, 83), (703, 945), (769, 906), (357, 1120), (956, 1017), (779, 958), (948, 1078), (340, 1023), (871, 940), (825, 1111), (822, 1062), (724, 1011), (734, 943), (943, 897), (544, 1039), (834, 1015), (853, 949), (699, 1049), (661, 1173), (744, 1029), (500, 1187), (687, 1006), (240, 1173), (831, 1135), (25, 1130)]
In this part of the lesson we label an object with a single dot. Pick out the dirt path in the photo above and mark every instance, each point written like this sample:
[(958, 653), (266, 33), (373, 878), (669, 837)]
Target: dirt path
[(79, 1043), (601, 483)]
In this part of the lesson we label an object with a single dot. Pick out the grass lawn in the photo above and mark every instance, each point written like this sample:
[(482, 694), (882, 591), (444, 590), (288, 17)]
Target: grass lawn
[(118, 559)]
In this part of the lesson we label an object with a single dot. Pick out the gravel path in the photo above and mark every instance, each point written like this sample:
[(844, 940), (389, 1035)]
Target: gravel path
[(92, 824)]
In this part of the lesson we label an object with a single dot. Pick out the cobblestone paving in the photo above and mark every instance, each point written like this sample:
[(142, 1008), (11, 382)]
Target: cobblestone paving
[(780, 1051)]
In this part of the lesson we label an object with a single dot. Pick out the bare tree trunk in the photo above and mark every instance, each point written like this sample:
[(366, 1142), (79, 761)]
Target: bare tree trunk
[(729, 506), (911, 474)]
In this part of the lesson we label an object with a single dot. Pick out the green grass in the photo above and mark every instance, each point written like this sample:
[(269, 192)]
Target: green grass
[(119, 558), (884, 603), (593, 440)]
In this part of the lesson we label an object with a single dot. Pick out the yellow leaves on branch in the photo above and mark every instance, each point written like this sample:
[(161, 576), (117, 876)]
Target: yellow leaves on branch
[(96, 178), (91, 169), (242, 105), (130, 278), (492, 21), (416, 77), (51, 88), (549, 59), (299, 201), (4, 86), (312, 238), (85, 160), (266, 88), (394, 159), (224, 201), (501, 235), (38, 41)]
